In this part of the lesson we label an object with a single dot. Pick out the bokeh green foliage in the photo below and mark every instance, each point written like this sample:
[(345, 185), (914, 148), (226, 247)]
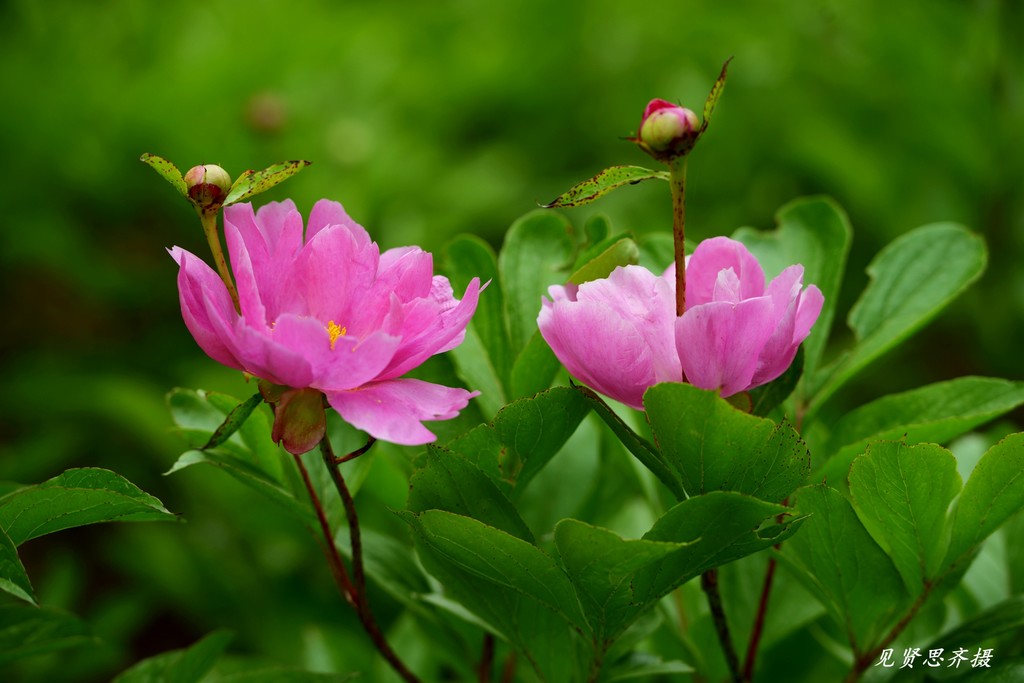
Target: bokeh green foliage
[(428, 120)]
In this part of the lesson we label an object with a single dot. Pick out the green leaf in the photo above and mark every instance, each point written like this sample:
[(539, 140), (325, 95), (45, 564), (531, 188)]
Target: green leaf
[(815, 233), (26, 630), (75, 498), (1003, 617), (623, 252), (475, 367), (510, 585), (767, 397), (534, 368), (536, 252), (993, 493), (912, 279), (716, 528), (281, 675), (901, 494), (235, 419), (716, 92), (469, 256), (179, 666), (13, 577), (601, 566), (604, 182), (452, 483), (711, 446), (935, 413), (167, 171), (836, 559), (642, 449), (252, 183)]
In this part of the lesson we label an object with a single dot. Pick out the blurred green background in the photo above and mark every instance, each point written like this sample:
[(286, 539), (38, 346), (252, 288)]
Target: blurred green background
[(428, 120)]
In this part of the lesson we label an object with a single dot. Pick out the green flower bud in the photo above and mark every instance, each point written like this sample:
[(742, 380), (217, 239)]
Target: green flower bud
[(667, 130), (207, 186)]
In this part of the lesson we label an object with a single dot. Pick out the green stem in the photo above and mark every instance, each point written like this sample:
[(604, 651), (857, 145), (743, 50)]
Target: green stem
[(209, 221), (709, 582), (677, 180), (864, 661)]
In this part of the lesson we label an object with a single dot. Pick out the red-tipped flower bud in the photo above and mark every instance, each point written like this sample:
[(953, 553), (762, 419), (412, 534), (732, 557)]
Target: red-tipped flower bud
[(667, 130), (208, 186)]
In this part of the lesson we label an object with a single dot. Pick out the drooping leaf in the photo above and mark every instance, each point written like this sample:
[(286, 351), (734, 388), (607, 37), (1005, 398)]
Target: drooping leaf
[(935, 413), (912, 279), (251, 183), (992, 494), (836, 559), (234, 419), (711, 446), (179, 666), (13, 577), (604, 182), (26, 630), (75, 498), (167, 171), (901, 494), (535, 255)]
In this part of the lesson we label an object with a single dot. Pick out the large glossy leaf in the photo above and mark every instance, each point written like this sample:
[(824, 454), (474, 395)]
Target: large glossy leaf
[(179, 666), (26, 630), (815, 233), (992, 494), (836, 559), (536, 254), (912, 279), (711, 446), (13, 578), (76, 498), (901, 494), (604, 182)]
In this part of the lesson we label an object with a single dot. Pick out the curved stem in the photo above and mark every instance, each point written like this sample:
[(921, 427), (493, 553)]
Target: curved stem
[(758, 628), (209, 221), (677, 180), (709, 582)]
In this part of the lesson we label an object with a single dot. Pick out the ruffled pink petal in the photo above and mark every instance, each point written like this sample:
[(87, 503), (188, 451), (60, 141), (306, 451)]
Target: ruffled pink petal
[(326, 213), (406, 271), (807, 311), (268, 359), (333, 271), (713, 256), (599, 347), (719, 343), (395, 410), (206, 307)]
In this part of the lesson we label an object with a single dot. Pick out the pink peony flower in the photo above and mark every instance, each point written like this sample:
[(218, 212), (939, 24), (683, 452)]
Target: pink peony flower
[(329, 312), (620, 335)]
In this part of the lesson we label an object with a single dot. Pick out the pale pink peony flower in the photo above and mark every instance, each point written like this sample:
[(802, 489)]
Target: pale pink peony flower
[(620, 335), (329, 312)]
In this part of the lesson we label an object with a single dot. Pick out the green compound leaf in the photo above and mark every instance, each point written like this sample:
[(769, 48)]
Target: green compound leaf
[(836, 559), (26, 630), (76, 498), (252, 183), (936, 413), (912, 279), (901, 494), (13, 577), (179, 666), (992, 494), (711, 446), (167, 171), (603, 183)]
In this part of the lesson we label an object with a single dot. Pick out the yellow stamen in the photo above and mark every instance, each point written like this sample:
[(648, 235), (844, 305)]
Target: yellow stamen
[(335, 331)]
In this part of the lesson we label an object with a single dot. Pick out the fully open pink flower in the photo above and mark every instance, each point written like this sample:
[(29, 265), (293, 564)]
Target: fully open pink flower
[(620, 335), (327, 311)]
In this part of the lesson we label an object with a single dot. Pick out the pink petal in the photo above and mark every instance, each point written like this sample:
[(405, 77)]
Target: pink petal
[(333, 272), (395, 410), (326, 213), (406, 271), (719, 343), (206, 307), (711, 257)]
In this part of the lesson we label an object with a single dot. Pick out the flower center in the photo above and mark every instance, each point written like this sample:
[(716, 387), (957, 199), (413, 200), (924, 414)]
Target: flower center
[(335, 331)]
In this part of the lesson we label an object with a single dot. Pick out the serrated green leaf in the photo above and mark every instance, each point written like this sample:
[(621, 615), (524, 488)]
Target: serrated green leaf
[(716, 92), (901, 494), (452, 483), (836, 559), (912, 279), (711, 446), (534, 368), (75, 498), (179, 666), (233, 421), (992, 494), (167, 171), (815, 233), (603, 183), (535, 255), (936, 413), (623, 252), (642, 449), (26, 630), (252, 183), (13, 577)]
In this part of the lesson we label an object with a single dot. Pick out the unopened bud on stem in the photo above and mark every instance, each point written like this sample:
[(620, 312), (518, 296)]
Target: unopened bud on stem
[(667, 130), (208, 186)]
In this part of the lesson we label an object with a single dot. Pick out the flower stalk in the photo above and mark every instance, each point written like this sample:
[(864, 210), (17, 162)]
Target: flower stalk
[(677, 181), (209, 220)]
